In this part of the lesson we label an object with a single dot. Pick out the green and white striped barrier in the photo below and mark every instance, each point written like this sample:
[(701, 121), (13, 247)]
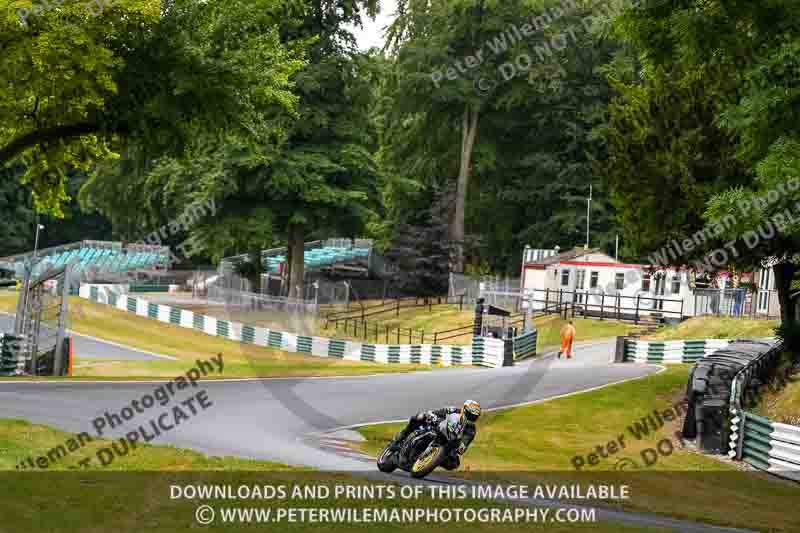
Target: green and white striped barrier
[(766, 445), (638, 351), (483, 351), (525, 345)]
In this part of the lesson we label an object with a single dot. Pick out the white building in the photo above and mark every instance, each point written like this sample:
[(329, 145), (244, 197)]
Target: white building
[(598, 283)]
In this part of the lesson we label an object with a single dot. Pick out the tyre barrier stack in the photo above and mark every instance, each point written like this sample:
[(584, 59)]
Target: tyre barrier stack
[(12, 360), (709, 392), (719, 387)]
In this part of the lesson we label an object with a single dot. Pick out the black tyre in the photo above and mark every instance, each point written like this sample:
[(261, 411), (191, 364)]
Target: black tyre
[(428, 461), (386, 460)]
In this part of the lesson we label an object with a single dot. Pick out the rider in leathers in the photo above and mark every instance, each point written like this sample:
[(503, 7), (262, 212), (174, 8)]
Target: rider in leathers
[(469, 415)]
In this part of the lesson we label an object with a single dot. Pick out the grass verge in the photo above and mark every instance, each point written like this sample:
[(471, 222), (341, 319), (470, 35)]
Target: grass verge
[(711, 327), (136, 494), (241, 360), (540, 443)]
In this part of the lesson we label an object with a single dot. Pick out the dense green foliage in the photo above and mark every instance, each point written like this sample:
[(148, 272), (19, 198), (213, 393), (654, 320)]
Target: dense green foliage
[(676, 114)]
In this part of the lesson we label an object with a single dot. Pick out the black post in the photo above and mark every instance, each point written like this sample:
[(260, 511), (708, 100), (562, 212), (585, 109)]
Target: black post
[(461, 302), (478, 322), (620, 352), (602, 305), (397, 311), (638, 298)]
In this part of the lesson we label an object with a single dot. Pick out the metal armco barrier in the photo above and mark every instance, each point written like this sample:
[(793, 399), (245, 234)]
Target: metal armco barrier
[(766, 445)]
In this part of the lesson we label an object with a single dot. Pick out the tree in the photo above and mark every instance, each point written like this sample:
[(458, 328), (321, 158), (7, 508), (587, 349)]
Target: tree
[(143, 71), (314, 174), (501, 98), (735, 67), (421, 249)]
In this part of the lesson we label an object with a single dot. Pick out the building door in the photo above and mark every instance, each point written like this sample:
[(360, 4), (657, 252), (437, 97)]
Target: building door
[(764, 283), (580, 286), (660, 289)]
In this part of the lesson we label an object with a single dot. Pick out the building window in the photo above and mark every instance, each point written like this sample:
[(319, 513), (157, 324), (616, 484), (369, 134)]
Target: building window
[(619, 281), (565, 278), (594, 279), (676, 284), (580, 284), (646, 282)]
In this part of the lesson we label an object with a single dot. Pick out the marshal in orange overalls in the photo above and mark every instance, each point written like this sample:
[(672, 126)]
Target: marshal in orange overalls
[(567, 336)]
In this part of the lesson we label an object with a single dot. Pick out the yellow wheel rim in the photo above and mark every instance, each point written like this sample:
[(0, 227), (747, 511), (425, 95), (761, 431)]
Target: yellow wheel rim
[(425, 460)]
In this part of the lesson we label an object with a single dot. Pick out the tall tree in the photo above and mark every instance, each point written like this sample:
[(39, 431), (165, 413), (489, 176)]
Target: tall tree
[(315, 176), (721, 102), (144, 71), (500, 98)]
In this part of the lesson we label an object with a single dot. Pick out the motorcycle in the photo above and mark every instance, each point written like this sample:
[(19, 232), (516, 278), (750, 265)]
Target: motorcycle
[(424, 449)]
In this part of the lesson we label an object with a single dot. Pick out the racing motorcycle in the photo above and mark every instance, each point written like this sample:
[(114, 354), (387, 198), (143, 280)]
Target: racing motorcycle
[(424, 449)]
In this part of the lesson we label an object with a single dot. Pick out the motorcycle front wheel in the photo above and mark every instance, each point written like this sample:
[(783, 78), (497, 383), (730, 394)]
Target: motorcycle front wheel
[(428, 461), (386, 460)]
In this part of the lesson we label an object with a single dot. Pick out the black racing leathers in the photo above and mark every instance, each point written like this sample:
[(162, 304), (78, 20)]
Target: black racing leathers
[(436, 417)]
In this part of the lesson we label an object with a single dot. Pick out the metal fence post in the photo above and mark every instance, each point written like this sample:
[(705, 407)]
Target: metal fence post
[(638, 298)]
